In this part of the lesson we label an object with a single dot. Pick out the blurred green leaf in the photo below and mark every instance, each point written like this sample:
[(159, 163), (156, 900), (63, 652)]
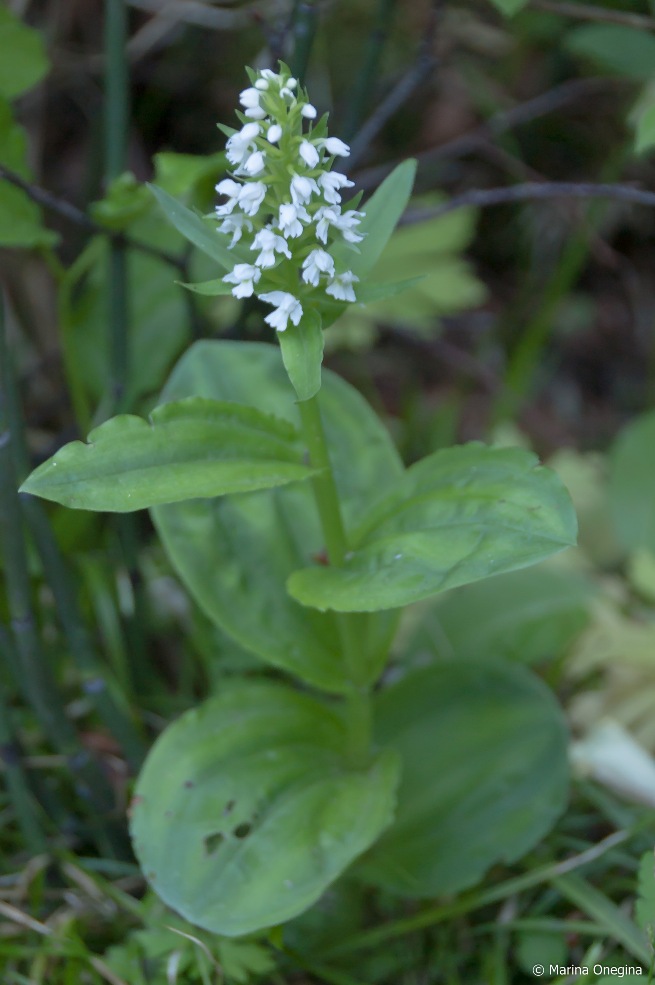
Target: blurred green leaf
[(21, 224), (622, 50), (485, 774), (526, 616), (159, 322), (189, 449), (23, 58), (455, 517), (645, 906), (423, 260), (246, 811), (632, 483), (510, 7), (126, 201), (184, 175), (645, 135)]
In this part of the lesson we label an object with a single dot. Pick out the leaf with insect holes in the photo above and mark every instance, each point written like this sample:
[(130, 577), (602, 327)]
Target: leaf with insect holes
[(246, 809)]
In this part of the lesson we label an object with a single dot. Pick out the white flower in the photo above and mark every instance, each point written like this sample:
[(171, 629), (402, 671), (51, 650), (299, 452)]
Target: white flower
[(336, 147), (292, 83), (245, 276), (330, 182), (274, 133), (251, 196), (230, 188), (270, 244), (255, 163), (287, 308), (261, 84), (290, 217), (341, 287), (326, 217), (249, 98), (286, 93), (268, 73), (240, 144), (308, 111), (235, 224), (309, 154), (346, 225), (302, 189), (318, 262)]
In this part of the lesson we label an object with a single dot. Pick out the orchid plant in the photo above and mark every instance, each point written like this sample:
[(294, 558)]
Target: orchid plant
[(287, 513)]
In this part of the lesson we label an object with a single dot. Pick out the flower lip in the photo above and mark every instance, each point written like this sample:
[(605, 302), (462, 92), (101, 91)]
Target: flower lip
[(287, 308), (336, 147), (318, 262), (244, 276), (309, 154), (249, 97)]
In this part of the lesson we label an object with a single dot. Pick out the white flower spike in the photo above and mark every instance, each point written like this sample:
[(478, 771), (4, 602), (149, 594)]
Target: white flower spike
[(283, 202)]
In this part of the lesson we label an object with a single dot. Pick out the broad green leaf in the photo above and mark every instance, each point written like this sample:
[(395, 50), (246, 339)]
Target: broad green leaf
[(189, 449), (235, 554), (485, 774), (455, 517), (246, 810), (203, 233), (622, 50), (23, 59), (526, 616), (302, 353), (632, 483), (510, 7), (383, 210)]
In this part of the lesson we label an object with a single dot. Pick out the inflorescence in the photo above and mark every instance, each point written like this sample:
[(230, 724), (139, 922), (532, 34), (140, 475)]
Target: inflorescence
[(284, 202)]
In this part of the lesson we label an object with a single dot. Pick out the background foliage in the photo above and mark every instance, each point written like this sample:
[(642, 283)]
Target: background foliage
[(532, 326)]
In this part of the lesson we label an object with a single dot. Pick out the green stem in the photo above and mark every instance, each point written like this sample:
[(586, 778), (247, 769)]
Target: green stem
[(350, 625)]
